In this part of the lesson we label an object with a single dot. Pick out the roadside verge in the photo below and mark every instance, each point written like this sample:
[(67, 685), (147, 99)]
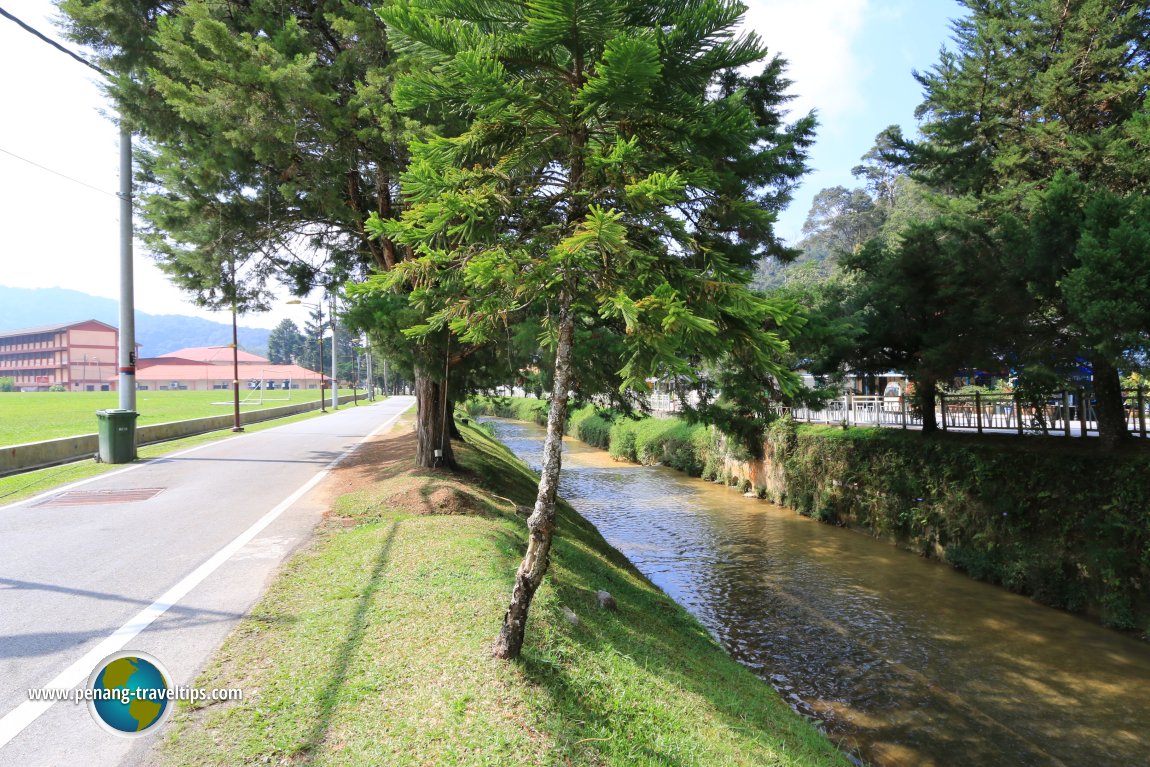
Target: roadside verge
[(372, 647)]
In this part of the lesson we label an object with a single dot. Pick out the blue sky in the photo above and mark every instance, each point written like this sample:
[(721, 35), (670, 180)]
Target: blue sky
[(851, 61)]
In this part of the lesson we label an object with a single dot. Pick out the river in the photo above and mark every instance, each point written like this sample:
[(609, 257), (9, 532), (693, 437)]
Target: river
[(905, 661)]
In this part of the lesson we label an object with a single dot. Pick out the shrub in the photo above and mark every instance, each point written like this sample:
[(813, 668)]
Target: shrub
[(7, 384), (622, 440)]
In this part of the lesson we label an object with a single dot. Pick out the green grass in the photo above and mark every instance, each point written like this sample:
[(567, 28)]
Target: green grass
[(373, 648), (17, 487), (37, 416)]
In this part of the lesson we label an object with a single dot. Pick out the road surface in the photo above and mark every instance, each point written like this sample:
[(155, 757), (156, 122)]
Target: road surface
[(163, 557)]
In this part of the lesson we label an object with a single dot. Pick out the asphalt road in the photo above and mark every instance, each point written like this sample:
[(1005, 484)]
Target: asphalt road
[(169, 575)]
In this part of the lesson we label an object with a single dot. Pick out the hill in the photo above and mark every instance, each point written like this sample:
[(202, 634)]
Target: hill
[(156, 333)]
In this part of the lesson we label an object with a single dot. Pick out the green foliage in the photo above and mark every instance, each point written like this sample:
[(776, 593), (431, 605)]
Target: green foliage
[(1067, 528), (7, 384), (616, 167), (269, 135), (666, 441), (286, 344), (671, 442), (518, 408), (934, 304), (57, 388), (591, 425), (1035, 125)]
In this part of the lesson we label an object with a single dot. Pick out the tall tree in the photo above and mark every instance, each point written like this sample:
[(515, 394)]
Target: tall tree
[(285, 343), (1034, 88), (616, 170), (268, 131), (934, 303)]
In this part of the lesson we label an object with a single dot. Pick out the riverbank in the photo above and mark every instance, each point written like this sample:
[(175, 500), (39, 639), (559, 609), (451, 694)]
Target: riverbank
[(1047, 518), (373, 646)]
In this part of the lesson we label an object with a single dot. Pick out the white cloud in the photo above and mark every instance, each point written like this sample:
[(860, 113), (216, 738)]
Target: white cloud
[(818, 40)]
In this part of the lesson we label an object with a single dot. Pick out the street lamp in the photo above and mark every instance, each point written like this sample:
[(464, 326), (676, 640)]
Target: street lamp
[(319, 346)]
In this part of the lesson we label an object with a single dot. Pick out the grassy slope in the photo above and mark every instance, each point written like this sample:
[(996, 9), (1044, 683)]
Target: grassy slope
[(373, 648), (36, 416)]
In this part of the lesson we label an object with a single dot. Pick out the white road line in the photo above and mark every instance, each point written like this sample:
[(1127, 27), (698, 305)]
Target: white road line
[(14, 722)]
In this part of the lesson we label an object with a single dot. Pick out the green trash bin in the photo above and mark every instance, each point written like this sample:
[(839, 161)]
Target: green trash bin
[(117, 435)]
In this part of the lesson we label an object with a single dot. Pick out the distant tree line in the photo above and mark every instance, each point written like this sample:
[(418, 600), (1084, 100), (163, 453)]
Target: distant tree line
[(1012, 235)]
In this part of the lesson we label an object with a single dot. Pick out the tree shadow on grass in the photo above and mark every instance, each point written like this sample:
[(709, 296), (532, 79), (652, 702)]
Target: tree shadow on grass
[(344, 656)]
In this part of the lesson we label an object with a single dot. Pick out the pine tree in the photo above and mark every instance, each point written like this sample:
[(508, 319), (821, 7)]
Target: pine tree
[(1035, 90), (285, 343), (616, 171), (268, 134)]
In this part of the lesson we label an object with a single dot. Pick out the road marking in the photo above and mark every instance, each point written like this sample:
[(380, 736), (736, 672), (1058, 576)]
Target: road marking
[(14, 722), (132, 467)]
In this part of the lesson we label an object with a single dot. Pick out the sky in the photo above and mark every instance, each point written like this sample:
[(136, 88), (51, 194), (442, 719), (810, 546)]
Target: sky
[(850, 60)]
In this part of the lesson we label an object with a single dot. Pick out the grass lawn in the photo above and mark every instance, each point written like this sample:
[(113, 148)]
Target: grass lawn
[(373, 646), (17, 487), (36, 416)]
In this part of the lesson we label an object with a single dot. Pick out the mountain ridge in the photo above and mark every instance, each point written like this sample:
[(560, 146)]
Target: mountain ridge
[(157, 334)]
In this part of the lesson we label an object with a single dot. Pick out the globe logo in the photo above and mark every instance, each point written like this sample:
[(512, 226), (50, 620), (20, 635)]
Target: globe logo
[(129, 693)]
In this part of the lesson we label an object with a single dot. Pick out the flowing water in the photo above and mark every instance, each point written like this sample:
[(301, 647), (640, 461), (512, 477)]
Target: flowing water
[(906, 661)]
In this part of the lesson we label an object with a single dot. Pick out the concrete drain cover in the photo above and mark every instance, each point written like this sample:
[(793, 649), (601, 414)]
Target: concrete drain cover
[(95, 497)]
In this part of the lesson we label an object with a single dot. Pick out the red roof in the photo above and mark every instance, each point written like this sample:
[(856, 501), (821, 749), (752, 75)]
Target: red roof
[(182, 370), (216, 355)]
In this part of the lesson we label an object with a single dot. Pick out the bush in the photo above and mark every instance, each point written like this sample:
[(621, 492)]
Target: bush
[(621, 442), (7, 384), (57, 387), (1067, 528)]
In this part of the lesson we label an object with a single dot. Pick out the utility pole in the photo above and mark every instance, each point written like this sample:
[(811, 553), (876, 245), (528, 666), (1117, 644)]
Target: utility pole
[(334, 379), (370, 377), (127, 296), (236, 425)]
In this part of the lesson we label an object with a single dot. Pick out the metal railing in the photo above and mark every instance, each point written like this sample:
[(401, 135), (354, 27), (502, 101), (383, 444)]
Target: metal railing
[(1066, 414)]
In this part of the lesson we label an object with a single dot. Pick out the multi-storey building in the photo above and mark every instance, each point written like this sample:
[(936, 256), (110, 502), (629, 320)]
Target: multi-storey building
[(80, 356)]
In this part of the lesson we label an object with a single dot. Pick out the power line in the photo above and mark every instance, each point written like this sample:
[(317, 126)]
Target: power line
[(31, 30), (58, 173)]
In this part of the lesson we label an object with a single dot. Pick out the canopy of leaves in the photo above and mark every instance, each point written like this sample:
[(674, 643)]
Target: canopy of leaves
[(614, 160), (268, 135)]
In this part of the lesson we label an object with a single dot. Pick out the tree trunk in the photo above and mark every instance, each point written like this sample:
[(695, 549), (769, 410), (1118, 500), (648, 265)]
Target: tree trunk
[(927, 394), (1111, 409), (432, 427), (541, 523)]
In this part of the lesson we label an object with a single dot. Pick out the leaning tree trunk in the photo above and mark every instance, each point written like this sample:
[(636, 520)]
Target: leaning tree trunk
[(433, 423), (541, 523), (1111, 408), (926, 392)]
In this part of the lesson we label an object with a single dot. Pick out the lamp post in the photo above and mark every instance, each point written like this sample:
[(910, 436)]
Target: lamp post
[(319, 346)]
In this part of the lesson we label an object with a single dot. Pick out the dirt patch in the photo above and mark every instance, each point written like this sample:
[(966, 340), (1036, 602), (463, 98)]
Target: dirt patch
[(383, 472), (435, 497), (381, 457)]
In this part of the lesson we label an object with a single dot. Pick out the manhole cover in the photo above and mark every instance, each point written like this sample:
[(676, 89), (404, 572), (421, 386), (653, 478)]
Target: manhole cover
[(94, 497)]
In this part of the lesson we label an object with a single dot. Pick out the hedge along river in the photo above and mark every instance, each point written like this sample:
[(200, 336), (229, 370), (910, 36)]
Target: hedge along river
[(905, 661)]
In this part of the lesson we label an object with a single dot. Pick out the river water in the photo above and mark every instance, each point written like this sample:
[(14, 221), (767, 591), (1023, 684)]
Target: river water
[(906, 661)]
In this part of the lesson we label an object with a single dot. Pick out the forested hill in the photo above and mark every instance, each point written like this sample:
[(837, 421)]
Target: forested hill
[(156, 333)]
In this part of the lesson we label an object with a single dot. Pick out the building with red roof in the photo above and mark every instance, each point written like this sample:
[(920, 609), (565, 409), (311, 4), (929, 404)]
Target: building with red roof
[(210, 367), (80, 356)]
